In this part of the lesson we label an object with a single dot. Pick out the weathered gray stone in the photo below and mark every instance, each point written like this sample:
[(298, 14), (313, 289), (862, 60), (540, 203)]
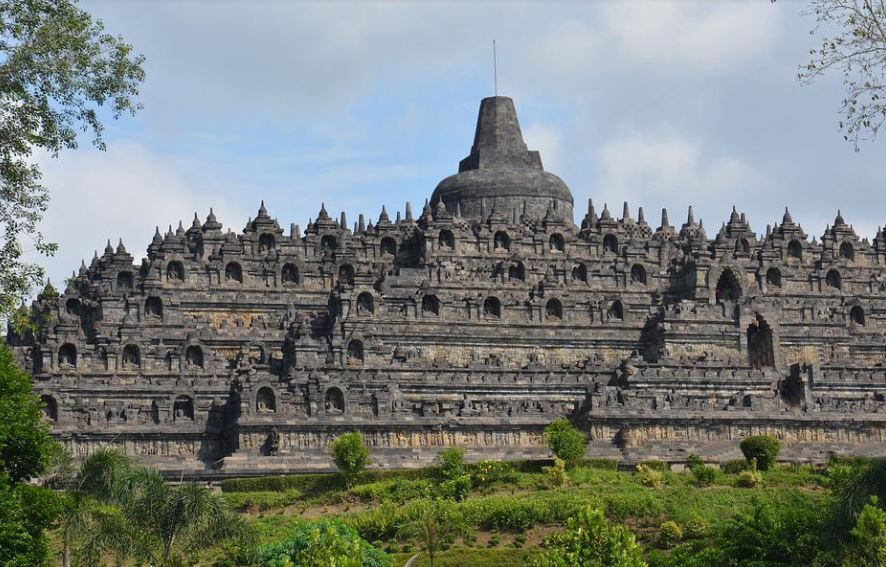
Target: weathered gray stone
[(475, 324)]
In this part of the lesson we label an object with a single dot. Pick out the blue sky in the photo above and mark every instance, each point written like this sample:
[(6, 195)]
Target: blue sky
[(360, 105)]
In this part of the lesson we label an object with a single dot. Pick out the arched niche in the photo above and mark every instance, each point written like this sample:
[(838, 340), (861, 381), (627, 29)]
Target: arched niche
[(638, 274), (346, 274), (50, 407), (773, 277), (183, 409), (517, 272), (616, 311), (847, 251), (492, 307), (175, 271), (501, 241), (833, 279), (742, 247), (554, 309), (265, 400), (154, 308), (328, 243), (131, 358), (193, 357), (67, 356), (446, 240), (580, 273), (610, 244), (266, 243), (335, 401), (430, 305), (795, 249), (365, 304), (233, 273), (289, 274), (728, 288), (124, 281), (388, 246), (761, 349), (72, 307), (355, 351), (556, 243), (856, 315)]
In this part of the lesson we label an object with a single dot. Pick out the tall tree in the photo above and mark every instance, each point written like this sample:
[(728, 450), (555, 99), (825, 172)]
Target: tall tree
[(853, 44), (58, 69), (25, 445)]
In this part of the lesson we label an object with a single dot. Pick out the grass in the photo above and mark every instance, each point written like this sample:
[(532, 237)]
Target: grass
[(512, 506)]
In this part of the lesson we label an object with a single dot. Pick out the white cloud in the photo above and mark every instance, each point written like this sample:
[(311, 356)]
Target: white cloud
[(714, 35), (548, 140), (655, 167), (122, 193)]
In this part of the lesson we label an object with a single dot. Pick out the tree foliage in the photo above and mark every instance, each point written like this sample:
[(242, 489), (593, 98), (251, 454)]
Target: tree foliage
[(58, 68), (854, 45), (25, 446), (590, 541), (566, 441), (763, 448), (326, 543), (350, 455), (433, 524)]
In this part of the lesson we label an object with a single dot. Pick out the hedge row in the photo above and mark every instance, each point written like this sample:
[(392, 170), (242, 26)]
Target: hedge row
[(316, 483)]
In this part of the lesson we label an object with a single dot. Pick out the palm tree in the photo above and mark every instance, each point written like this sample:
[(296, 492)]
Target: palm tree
[(433, 523), (133, 512), (176, 520)]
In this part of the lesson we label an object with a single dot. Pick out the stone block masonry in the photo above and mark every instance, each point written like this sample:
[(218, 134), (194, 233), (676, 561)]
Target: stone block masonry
[(473, 324)]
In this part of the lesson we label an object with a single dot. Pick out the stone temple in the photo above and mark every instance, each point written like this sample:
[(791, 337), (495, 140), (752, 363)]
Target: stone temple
[(475, 322)]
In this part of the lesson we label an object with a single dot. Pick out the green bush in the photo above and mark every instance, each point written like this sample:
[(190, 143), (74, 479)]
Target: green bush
[(649, 477), (661, 466), (694, 461), (494, 540), (457, 488), (567, 442), (555, 475), (750, 478), (670, 533), (519, 540), (396, 490), (486, 473), (350, 455), (703, 475), (734, 467), (763, 448), (696, 527), (452, 463), (867, 546), (261, 501), (590, 540), (326, 542)]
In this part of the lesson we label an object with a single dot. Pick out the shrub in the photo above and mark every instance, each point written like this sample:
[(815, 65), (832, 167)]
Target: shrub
[(590, 540), (519, 540), (696, 528), (452, 463), (670, 533), (703, 475), (327, 542), (662, 466), (868, 538), (350, 455), (396, 490), (694, 460), (485, 473), (734, 467), (750, 478), (763, 448), (556, 475), (567, 442), (649, 477), (494, 540), (457, 488)]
